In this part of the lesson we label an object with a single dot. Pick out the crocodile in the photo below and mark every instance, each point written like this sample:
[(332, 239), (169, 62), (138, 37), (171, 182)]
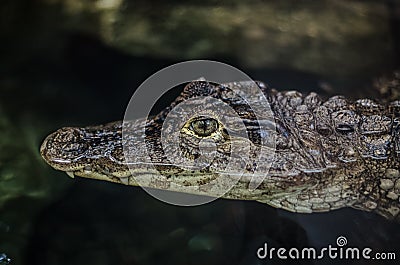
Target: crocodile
[(327, 154)]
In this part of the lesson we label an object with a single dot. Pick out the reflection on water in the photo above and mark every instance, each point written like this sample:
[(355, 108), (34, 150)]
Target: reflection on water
[(69, 62), (4, 260)]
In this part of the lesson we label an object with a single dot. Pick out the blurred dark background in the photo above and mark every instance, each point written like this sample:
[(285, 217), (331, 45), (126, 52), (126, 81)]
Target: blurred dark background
[(76, 63)]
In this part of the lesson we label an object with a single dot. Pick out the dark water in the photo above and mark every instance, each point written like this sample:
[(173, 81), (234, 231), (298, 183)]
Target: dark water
[(60, 67)]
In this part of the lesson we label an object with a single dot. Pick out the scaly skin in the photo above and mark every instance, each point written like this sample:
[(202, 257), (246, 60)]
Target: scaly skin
[(328, 155)]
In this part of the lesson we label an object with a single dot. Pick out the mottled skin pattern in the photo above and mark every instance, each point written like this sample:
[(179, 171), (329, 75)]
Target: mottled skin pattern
[(329, 154)]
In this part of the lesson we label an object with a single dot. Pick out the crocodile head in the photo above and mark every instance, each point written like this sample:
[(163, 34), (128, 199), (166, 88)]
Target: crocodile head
[(207, 131)]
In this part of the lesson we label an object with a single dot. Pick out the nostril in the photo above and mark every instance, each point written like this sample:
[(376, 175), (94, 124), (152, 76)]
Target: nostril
[(66, 144)]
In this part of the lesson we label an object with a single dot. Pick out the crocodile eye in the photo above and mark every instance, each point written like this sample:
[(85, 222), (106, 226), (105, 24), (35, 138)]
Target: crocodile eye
[(204, 126)]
